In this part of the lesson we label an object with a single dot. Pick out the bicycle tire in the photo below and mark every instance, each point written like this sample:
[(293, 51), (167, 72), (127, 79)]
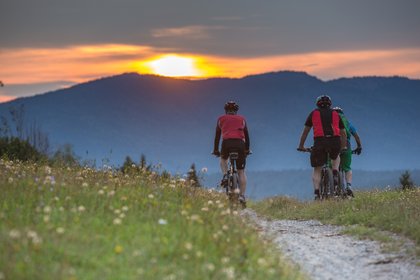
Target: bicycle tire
[(234, 190), (341, 184), (329, 183)]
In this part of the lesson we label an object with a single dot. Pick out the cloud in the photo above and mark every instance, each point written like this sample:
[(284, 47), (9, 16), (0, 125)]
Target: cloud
[(191, 32)]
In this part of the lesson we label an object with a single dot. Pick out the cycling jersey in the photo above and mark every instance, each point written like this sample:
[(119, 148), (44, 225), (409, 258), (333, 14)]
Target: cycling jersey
[(231, 127), (325, 122)]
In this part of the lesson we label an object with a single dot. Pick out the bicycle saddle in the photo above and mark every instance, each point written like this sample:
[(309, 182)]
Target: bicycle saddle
[(233, 155)]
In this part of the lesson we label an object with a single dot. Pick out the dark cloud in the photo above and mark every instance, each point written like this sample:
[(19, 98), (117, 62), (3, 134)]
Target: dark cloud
[(248, 27)]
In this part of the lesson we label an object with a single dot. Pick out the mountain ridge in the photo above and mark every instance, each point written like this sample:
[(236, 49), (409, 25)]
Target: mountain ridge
[(172, 120)]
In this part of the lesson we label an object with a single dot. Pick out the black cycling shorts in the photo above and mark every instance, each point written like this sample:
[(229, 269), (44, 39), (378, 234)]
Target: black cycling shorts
[(234, 145), (324, 147)]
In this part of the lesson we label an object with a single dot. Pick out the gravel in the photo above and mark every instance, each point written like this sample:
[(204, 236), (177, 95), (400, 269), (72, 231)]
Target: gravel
[(323, 252)]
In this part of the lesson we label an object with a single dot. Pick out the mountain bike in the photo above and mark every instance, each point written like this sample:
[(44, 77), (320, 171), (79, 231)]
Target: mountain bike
[(231, 181), (326, 188)]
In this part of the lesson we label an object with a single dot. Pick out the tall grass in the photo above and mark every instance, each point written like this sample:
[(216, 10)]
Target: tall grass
[(392, 210), (80, 223)]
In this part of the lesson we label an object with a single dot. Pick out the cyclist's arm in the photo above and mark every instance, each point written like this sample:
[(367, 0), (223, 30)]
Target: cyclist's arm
[(217, 138), (303, 136), (247, 143), (357, 138)]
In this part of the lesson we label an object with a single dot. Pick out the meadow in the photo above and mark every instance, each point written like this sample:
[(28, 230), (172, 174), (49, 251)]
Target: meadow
[(84, 223), (367, 215)]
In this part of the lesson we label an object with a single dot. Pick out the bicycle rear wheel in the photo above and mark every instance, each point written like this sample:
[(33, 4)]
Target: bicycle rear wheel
[(327, 183), (234, 188)]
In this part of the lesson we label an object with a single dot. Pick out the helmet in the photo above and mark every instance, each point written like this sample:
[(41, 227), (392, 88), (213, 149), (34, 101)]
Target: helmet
[(231, 106), (338, 109), (323, 101)]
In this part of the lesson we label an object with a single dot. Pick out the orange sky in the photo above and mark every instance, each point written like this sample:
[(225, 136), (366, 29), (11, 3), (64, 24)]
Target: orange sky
[(81, 63)]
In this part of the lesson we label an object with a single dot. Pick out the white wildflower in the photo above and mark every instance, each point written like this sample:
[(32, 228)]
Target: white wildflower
[(60, 230), (162, 222), (117, 221), (14, 234)]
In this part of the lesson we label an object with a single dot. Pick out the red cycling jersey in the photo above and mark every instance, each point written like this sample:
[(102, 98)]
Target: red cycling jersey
[(326, 122), (232, 126)]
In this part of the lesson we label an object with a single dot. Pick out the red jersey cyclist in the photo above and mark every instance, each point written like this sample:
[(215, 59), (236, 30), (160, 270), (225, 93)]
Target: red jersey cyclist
[(329, 139), (234, 132)]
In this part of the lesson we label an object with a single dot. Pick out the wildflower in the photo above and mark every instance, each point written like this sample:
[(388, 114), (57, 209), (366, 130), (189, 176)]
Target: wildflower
[(262, 262), (151, 196), (124, 208), (10, 180), (172, 186), (85, 185), (117, 211), (46, 219), (225, 260), (47, 209), (188, 246), (162, 222), (56, 198), (225, 227), (14, 234), (235, 212), (204, 209), (118, 249), (111, 193), (124, 198), (122, 215), (185, 256), (101, 192), (230, 272), (117, 221), (81, 208), (199, 254), (210, 267), (60, 230)]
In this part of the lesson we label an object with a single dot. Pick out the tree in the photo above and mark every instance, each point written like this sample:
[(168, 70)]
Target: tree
[(65, 156), (143, 164), (128, 165), (192, 177), (406, 182)]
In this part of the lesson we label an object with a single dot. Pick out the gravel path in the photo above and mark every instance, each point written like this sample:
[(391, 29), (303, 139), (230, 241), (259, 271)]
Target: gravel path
[(322, 252)]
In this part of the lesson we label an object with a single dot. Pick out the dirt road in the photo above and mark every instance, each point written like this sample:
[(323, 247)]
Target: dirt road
[(322, 252)]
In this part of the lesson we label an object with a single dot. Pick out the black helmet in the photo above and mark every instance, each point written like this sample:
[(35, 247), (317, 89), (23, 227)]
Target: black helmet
[(338, 109), (231, 106), (323, 101)]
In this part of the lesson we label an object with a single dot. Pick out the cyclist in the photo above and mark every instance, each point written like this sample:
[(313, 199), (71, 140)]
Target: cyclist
[(329, 139), (345, 156), (234, 131)]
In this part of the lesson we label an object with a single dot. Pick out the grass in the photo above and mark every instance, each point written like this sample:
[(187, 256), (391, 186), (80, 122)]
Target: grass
[(372, 211), (81, 223)]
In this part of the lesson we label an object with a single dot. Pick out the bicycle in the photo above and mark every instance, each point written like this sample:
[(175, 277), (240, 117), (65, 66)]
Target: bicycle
[(326, 188), (231, 181)]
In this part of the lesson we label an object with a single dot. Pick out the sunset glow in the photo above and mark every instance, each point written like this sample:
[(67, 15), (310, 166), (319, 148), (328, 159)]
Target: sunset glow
[(174, 66), (25, 67)]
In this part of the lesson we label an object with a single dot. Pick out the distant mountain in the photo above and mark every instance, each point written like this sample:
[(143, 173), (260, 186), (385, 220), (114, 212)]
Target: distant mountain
[(172, 121)]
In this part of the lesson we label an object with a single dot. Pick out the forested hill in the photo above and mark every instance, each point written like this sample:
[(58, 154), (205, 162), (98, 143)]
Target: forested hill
[(172, 121)]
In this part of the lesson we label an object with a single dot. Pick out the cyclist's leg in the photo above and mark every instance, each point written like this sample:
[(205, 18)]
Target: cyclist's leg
[(334, 147), (242, 180), (318, 159), (224, 165), (316, 178)]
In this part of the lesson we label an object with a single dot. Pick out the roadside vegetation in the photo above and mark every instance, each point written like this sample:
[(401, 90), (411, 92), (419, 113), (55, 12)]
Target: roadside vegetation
[(370, 212), (72, 222)]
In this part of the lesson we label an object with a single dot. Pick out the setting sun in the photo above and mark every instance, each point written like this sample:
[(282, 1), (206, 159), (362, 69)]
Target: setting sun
[(175, 66)]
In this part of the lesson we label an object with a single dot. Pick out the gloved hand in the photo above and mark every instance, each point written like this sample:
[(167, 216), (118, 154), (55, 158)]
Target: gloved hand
[(358, 150)]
